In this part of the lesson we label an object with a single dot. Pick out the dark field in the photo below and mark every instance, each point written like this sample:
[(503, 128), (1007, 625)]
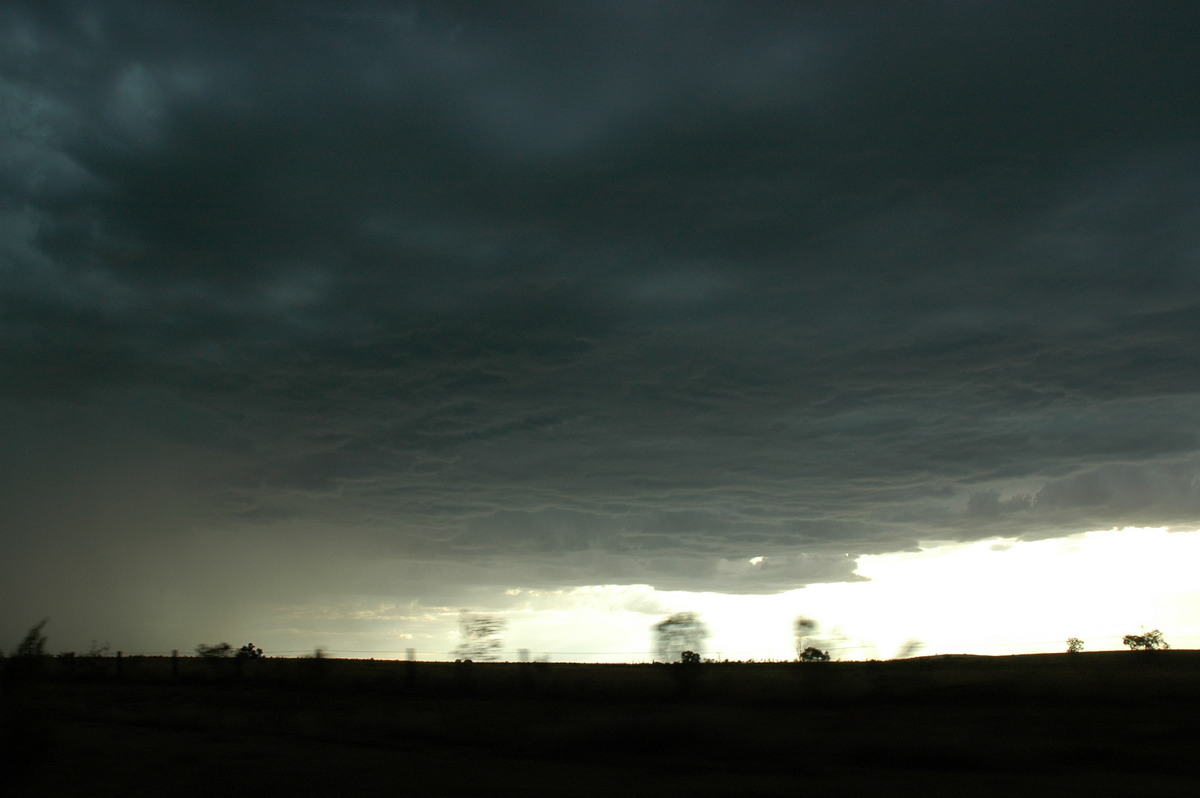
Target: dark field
[(1107, 723)]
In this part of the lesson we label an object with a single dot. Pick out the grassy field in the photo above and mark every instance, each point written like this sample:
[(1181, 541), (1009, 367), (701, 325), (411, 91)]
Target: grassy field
[(1102, 723)]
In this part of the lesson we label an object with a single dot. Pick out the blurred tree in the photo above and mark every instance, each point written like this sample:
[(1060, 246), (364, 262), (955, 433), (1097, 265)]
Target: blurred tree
[(248, 651), (1074, 645), (683, 631), (803, 629), (34, 642), (1151, 641), (480, 636), (217, 650)]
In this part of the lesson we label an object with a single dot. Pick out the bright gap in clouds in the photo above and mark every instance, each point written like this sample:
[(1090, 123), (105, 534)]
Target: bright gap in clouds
[(1004, 596), (996, 596)]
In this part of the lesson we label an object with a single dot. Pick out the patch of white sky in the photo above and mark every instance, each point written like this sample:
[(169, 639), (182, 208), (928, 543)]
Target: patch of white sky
[(996, 596)]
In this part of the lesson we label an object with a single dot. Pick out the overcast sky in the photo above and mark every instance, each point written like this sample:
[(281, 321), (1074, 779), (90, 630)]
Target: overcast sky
[(326, 302)]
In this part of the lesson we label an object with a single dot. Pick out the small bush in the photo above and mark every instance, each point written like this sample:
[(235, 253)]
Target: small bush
[(813, 654), (1074, 645), (248, 651)]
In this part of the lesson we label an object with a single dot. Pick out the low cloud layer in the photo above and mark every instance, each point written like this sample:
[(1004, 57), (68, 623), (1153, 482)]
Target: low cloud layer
[(418, 299)]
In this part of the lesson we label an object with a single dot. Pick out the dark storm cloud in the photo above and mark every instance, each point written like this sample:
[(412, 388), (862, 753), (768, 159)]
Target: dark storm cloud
[(595, 293)]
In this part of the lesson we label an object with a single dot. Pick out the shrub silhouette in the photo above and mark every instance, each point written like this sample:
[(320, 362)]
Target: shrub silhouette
[(1151, 641), (813, 654), (689, 658), (1074, 645), (248, 651)]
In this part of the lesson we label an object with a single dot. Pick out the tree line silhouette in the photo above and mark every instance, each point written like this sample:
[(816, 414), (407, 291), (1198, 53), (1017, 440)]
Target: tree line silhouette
[(678, 638)]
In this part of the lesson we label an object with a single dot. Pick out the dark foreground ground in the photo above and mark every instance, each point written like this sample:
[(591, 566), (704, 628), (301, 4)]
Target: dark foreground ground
[(1088, 724)]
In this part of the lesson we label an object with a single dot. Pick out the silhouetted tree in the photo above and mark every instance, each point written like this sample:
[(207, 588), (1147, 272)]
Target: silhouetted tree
[(248, 651), (813, 654), (1074, 645), (213, 651), (683, 631), (1151, 641), (34, 642), (480, 636)]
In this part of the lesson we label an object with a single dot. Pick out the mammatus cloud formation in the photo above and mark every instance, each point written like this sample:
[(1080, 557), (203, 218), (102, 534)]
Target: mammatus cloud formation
[(418, 300)]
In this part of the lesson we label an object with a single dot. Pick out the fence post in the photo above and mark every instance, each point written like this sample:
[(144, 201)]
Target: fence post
[(525, 669), (410, 667)]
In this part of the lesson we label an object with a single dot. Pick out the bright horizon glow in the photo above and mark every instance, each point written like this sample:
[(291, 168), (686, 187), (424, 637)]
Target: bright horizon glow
[(993, 596)]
